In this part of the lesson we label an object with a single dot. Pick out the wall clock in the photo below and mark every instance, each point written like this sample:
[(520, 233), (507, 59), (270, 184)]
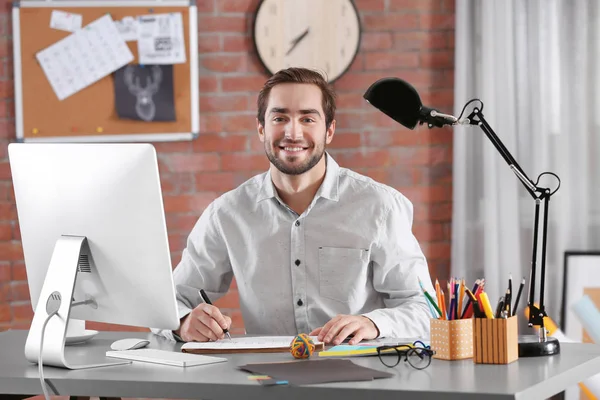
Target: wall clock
[(319, 34)]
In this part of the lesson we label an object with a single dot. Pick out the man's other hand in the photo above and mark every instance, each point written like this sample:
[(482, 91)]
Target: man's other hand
[(203, 324), (340, 327)]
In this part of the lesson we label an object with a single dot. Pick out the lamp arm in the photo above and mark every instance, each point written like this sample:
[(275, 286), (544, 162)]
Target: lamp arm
[(476, 118), (536, 314)]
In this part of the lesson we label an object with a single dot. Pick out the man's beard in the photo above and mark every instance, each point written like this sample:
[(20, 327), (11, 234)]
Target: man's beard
[(287, 169)]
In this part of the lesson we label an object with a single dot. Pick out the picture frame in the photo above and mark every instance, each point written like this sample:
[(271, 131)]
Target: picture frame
[(581, 276)]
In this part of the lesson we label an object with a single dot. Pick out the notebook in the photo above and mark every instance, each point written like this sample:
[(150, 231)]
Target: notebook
[(257, 344), (166, 357)]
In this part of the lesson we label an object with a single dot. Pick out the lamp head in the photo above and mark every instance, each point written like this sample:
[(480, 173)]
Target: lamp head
[(397, 99)]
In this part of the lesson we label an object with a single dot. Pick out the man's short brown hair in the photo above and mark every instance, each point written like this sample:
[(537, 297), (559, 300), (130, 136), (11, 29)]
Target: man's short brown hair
[(298, 75)]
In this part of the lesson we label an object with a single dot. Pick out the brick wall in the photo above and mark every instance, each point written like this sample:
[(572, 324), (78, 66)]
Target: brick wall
[(410, 39)]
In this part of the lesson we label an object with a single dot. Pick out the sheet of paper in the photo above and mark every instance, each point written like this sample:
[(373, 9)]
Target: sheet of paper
[(160, 39), (259, 342), (128, 28), (84, 57), (65, 21)]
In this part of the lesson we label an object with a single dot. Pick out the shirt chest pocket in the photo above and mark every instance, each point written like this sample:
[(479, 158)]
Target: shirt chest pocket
[(342, 272)]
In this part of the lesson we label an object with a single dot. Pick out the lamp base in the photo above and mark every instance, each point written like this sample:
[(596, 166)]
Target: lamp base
[(530, 346)]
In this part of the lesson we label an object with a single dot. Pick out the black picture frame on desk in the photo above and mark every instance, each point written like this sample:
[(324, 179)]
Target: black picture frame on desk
[(581, 275)]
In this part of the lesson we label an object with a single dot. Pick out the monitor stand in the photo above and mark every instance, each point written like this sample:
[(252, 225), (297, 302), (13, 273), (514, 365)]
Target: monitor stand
[(76, 332), (57, 292)]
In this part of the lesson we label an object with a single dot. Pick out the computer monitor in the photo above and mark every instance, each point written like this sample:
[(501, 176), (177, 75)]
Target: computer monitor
[(93, 231)]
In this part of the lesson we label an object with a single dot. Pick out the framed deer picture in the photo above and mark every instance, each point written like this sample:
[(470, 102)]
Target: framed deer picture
[(145, 92)]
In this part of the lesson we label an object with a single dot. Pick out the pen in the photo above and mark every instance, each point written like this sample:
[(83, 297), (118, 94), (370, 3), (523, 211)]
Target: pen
[(508, 297), (207, 301), (500, 307), (507, 302), (514, 309)]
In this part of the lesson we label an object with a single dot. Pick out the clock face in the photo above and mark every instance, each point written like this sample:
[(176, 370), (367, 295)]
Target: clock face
[(317, 34)]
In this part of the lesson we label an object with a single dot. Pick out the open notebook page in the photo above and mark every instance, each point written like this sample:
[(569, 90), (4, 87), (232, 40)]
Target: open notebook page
[(257, 342)]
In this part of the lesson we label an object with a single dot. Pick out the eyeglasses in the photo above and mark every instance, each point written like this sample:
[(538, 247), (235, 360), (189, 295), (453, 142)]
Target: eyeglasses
[(418, 355)]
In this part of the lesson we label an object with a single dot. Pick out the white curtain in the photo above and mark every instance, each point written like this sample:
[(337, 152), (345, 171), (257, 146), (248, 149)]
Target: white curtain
[(535, 64)]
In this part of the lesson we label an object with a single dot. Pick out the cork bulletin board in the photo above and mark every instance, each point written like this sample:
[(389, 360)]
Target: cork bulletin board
[(90, 115)]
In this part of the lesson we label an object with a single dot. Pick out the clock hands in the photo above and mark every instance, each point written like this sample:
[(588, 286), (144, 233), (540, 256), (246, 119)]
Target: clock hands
[(297, 40)]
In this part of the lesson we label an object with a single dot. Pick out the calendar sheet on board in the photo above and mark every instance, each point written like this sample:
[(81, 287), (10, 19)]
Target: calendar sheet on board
[(84, 57)]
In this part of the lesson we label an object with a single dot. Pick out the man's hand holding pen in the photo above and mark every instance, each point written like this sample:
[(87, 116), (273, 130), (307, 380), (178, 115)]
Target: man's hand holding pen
[(204, 323)]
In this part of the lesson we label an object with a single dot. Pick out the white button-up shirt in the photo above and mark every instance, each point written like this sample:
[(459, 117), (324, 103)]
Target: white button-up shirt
[(351, 251)]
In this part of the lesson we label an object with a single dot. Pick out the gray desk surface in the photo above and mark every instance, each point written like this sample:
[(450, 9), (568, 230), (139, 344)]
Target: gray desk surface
[(527, 378)]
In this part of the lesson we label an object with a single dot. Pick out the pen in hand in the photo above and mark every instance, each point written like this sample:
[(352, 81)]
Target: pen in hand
[(207, 301)]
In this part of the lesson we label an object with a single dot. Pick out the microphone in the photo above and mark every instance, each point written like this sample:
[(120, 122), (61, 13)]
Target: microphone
[(400, 101)]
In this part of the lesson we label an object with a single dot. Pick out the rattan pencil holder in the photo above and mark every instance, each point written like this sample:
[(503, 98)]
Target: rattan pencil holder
[(452, 340), (495, 341)]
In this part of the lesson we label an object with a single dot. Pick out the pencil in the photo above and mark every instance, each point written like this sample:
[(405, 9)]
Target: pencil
[(456, 294), (461, 294), (451, 315), (487, 307), (474, 305), (468, 311), (450, 285), (437, 293), (444, 315), (430, 300)]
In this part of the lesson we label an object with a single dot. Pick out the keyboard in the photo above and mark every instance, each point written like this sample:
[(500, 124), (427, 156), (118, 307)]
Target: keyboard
[(166, 357)]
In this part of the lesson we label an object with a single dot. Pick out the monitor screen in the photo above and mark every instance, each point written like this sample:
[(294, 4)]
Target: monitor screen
[(111, 195)]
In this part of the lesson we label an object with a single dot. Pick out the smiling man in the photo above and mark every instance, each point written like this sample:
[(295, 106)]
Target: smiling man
[(314, 247)]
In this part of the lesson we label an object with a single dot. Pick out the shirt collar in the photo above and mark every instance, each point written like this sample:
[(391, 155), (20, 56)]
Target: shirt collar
[(329, 188)]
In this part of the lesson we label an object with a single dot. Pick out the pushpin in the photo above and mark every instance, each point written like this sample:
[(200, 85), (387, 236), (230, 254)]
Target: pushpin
[(150, 10), (73, 129), (35, 131), (99, 129)]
